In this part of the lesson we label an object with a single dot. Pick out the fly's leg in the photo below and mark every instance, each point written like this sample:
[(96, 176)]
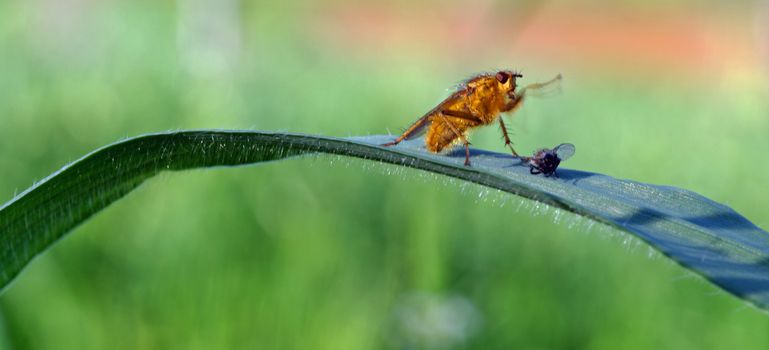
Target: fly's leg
[(468, 117), (538, 89), (508, 143), (462, 115), (549, 87), (467, 153), (515, 102), (414, 127), (458, 134), (472, 118)]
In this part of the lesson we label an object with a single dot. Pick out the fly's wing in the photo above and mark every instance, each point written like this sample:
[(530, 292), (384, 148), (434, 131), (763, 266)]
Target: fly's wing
[(564, 151), (537, 155), (540, 153), (420, 126), (546, 89)]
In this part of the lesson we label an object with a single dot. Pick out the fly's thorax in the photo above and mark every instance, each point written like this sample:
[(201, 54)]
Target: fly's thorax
[(485, 100)]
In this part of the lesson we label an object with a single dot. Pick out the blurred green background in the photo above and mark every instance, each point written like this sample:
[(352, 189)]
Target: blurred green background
[(335, 253)]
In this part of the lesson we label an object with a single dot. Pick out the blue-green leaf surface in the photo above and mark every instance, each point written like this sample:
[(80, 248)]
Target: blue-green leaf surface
[(704, 236)]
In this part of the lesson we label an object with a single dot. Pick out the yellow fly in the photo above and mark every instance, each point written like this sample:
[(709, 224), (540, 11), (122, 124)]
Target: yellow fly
[(478, 101)]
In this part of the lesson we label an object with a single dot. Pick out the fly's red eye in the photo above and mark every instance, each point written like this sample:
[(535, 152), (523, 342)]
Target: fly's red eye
[(502, 77)]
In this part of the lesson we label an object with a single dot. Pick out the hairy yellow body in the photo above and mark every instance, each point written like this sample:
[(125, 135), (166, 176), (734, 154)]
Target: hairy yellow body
[(478, 101), (482, 97)]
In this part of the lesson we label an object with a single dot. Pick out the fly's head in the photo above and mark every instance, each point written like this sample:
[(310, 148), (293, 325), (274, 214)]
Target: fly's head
[(548, 163), (506, 81)]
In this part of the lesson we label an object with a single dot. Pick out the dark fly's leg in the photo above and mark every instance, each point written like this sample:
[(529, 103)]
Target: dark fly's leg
[(417, 124), (458, 134), (508, 143)]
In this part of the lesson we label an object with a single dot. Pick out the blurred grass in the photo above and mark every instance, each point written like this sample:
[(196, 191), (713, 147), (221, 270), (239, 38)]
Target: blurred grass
[(305, 254)]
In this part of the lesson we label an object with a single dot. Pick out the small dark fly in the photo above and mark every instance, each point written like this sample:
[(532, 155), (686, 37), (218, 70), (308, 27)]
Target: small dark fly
[(545, 161)]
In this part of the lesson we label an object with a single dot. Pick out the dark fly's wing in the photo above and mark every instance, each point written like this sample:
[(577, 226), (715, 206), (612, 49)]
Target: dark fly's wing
[(564, 151), (540, 153)]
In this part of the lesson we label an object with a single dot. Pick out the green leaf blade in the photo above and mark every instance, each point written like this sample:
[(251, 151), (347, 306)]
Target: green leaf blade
[(702, 235)]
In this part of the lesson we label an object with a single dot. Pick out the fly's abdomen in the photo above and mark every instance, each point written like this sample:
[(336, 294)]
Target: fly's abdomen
[(441, 134)]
